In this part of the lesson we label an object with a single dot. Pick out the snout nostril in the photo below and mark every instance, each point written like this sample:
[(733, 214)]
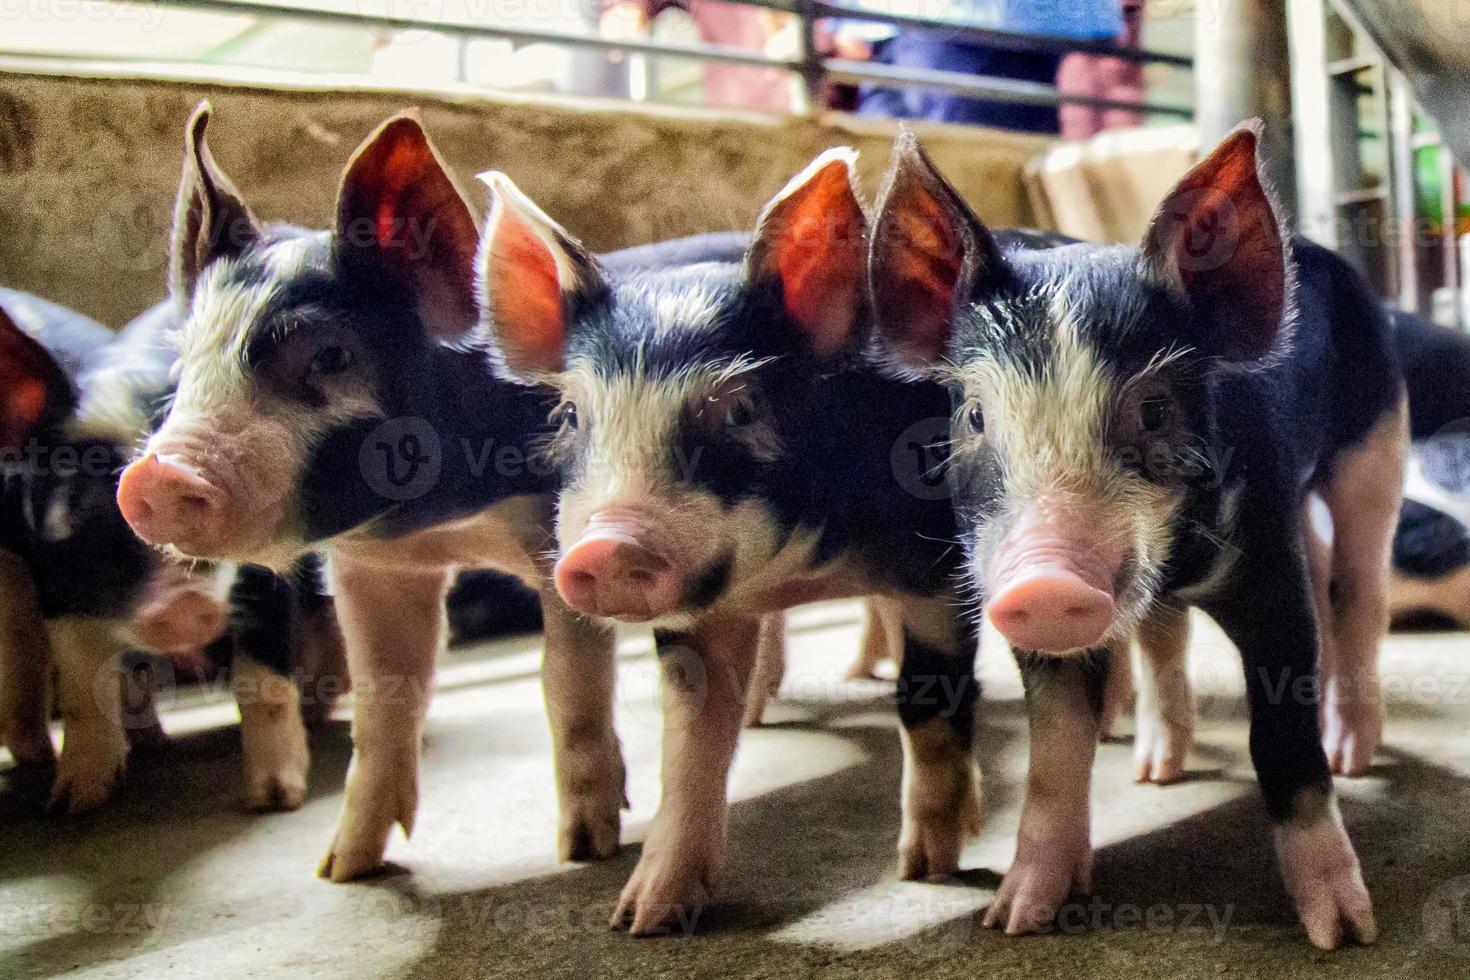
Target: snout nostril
[(196, 503)]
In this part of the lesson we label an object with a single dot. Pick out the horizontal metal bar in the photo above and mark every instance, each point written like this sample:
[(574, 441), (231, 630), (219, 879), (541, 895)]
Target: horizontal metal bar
[(700, 52), (1011, 40), (996, 89)]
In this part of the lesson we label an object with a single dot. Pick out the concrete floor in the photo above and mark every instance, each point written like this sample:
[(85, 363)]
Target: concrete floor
[(173, 880)]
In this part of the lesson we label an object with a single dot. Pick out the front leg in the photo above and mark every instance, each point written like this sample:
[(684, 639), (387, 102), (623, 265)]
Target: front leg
[(272, 730), (705, 676), (936, 696), (1268, 613), (1064, 701), (25, 660), (394, 625), (89, 684), (770, 667), (577, 678)]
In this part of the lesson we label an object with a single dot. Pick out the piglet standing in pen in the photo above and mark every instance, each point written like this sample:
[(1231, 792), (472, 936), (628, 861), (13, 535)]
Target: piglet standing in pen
[(327, 400), (79, 588), (1136, 431), (726, 452)]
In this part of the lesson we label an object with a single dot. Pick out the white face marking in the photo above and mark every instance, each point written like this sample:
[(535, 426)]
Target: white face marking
[(1049, 428)]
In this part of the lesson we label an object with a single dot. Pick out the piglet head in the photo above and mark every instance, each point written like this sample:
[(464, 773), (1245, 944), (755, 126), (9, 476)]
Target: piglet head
[(667, 424), (294, 346), (1084, 416)]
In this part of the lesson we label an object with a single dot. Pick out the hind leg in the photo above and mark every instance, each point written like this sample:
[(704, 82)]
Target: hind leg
[(1364, 495), (1166, 708), (770, 667), (25, 660), (882, 637)]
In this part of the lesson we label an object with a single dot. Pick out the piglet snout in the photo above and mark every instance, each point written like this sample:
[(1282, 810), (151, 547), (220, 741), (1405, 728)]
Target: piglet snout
[(182, 622), (167, 503), (610, 572), (1051, 608)]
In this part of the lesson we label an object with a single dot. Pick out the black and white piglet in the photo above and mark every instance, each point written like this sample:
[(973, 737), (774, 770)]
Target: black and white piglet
[(80, 588), (1136, 431)]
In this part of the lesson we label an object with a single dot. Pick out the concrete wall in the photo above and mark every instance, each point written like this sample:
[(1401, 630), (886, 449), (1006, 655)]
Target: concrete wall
[(89, 165)]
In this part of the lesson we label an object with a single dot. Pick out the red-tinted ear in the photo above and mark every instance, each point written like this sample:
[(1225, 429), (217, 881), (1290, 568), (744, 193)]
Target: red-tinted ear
[(399, 214), (929, 253), (811, 241), (210, 219), (33, 387), (1216, 242), (529, 268)]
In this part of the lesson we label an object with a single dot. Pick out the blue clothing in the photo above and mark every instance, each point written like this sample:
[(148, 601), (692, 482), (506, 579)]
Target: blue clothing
[(1081, 20)]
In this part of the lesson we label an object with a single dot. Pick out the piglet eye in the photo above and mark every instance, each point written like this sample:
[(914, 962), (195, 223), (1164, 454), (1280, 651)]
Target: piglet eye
[(565, 416), (977, 418), (739, 412), (330, 360), (1153, 414)]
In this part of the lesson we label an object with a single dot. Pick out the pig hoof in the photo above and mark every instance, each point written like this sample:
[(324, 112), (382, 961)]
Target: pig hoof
[(590, 828), (88, 771), (371, 810), (1160, 752), (930, 843), (667, 893), (1350, 736), (1041, 878), (276, 759), (1325, 883)]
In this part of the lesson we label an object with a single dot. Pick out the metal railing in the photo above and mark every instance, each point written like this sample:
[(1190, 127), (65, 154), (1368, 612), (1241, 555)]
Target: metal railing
[(815, 68)]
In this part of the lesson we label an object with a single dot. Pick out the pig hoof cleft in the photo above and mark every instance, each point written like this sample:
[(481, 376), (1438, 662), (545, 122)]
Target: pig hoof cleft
[(589, 837), (1350, 736), (1159, 753), (362, 835), (276, 791), (1042, 877), (1325, 883)]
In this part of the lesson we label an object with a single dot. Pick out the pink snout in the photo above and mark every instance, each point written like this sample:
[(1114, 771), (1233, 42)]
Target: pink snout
[(1051, 608), (610, 573), (181, 622), (168, 503)]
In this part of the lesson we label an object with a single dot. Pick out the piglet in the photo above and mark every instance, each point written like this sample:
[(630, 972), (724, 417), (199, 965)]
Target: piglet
[(1136, 431)]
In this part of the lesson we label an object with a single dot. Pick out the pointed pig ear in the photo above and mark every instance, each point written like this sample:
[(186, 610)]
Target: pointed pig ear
[(811, 244), (210, 219), (1216, 242), (34, 390), (930, 254), (400, 215), (531, 271)]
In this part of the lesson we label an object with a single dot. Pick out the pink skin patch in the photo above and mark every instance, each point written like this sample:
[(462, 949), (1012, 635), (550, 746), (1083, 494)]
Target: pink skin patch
[(179, 614), (1050, 583), (622, 567)]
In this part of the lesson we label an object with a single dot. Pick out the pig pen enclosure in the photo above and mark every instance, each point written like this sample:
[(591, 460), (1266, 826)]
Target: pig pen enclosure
[(240, 838)]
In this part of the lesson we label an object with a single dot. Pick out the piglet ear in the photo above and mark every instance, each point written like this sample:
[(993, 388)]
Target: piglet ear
[(400, 215), (210, 219), (930, 253), (34, 390), (810, 243), (1216, 242), (531, 273)]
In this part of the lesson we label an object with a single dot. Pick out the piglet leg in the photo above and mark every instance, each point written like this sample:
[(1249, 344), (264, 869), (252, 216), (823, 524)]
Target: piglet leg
[(770, 667), (1054, 847), (1364, 494), (577, 677), (93, 747), (394, 624), (1165, 714), (936, 696), (25, 660), (706, 672)]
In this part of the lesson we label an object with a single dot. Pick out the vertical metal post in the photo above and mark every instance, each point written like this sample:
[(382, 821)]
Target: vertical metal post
[(1243, 69), (1406, 215), (1311, 104), (813, 68)]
